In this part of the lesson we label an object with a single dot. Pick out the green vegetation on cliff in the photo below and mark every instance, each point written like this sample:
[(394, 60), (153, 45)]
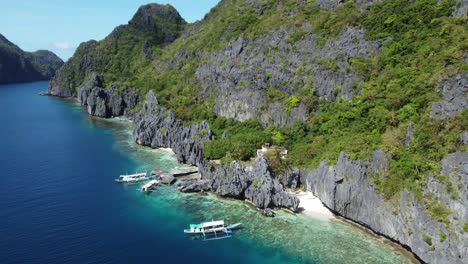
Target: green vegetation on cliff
[(127, 50), (421, 46), (17, 65)]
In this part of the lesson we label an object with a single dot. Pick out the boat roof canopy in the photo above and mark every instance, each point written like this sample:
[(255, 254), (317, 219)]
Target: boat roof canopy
[(134, 175), (214, 223), (207, 224)]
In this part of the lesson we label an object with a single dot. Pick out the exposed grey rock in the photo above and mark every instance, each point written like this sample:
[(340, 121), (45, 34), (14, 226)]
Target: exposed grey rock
[(461, 9), (116, 100), (409, 134), (159, 20), (84, 90), (96, 102), (331, 85), (268, 212), (241, 74), (455, 166), (455, 97), (290, 178), (60, 84), (347, 189), (167, 178), (195, 186), (152, 26), (464, 138), (155, 126), (121, 99), (333, 4), (255, 183)]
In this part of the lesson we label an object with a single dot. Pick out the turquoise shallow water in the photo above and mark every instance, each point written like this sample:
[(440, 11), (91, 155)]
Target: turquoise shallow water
[(63, 206)]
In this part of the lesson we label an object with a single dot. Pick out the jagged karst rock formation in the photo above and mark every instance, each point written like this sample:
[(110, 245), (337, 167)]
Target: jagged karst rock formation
[(333, 4), (290, 178), (17, 65), (116, 100), (455, 97), (156, 127), (461, 9), (255, 183), (243, 74), (345, 189), (252, 67), (153, 26)]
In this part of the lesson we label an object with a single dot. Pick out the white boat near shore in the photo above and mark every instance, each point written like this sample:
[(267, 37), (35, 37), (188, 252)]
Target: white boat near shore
[(132, 178), (212, 230), (148, 187)]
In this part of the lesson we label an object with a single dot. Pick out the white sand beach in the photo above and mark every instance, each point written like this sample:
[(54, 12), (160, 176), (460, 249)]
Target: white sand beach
[(313, 206)]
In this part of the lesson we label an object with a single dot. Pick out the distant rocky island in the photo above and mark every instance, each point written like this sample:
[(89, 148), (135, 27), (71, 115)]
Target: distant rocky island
[(17, 65)]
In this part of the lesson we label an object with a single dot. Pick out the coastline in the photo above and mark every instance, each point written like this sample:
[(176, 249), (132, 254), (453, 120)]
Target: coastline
[(312, 206)]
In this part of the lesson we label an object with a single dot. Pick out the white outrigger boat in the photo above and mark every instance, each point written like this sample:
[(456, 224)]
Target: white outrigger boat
[(148, 187), (137, 177), (212, 230)]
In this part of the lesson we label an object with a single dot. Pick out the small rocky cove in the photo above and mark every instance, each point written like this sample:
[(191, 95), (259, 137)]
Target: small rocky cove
[(345, 188), (155, 126)]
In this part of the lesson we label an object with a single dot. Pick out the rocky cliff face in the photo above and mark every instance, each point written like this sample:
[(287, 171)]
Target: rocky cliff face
[(17, 65), (461, 9), (156, 127), (72, 74), (244, 72), (253, 67), (122, 53), (255, 183), (347, 189), (116, 100), (455, 97), (333, 4)]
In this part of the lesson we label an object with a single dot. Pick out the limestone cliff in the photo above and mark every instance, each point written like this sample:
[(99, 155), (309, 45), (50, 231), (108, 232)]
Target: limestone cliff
[(369, 96), (119, 56), (157, 127), (346, 188)]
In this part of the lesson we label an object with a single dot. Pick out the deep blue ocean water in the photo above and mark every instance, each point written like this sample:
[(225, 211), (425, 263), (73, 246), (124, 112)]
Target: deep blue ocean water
[(59, 203)]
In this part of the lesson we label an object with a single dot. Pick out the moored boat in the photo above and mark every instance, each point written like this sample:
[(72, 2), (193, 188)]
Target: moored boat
[(137, 177), (148, 187), (212, 230)]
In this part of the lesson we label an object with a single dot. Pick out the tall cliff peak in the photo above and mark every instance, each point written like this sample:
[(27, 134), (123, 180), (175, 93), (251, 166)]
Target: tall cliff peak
[(162, 20), (123, 51), (152, 14)]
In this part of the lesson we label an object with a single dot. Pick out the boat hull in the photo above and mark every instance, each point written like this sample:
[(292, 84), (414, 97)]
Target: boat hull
[(133, 180), (233, 226), (209, 235)]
